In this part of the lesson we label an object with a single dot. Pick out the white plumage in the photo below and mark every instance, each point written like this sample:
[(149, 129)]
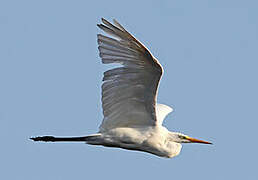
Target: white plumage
[(128, 92), (132, 117)]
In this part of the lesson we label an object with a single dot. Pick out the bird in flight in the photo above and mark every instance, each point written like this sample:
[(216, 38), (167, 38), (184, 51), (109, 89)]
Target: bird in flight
[(132, 117)]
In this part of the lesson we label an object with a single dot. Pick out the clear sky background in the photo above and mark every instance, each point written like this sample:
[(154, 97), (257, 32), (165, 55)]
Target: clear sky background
[(50, 79)]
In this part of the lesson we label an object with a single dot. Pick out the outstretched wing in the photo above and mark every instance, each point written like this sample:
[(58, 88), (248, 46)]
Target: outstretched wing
[(128, 92)]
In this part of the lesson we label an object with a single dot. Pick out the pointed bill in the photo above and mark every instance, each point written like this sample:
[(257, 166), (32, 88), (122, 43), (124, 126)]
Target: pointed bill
[(193, 140)]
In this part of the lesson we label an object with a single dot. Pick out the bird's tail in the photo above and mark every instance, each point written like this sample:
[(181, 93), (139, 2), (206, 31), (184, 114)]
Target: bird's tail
[(90, 138)]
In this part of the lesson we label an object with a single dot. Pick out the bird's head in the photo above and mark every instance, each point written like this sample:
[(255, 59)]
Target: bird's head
[(181, 138)]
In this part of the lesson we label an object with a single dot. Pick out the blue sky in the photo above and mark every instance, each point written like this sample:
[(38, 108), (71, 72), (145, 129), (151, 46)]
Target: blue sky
[(50, 78)]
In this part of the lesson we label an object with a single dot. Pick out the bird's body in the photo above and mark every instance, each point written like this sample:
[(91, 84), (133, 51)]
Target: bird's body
[(148, 139), (132, 117)]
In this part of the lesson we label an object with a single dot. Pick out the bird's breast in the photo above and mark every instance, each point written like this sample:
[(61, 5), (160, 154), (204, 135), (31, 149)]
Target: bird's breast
[(148, 139)]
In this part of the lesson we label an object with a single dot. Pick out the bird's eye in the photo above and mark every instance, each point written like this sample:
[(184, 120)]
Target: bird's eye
[(181, 137)]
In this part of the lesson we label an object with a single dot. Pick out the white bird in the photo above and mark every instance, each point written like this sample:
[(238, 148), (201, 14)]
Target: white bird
[(132, 117)]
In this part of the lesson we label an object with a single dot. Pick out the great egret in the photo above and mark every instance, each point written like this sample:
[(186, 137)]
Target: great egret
[(132, 118)]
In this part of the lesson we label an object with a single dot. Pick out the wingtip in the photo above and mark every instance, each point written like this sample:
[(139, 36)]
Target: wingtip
[(104, 20), (101, 26)]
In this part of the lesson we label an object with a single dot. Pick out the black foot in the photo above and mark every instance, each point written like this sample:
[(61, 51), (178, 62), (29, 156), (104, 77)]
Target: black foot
[(44, 138)]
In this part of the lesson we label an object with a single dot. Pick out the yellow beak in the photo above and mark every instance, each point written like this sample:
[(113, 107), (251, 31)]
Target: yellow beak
[(193, 140)]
